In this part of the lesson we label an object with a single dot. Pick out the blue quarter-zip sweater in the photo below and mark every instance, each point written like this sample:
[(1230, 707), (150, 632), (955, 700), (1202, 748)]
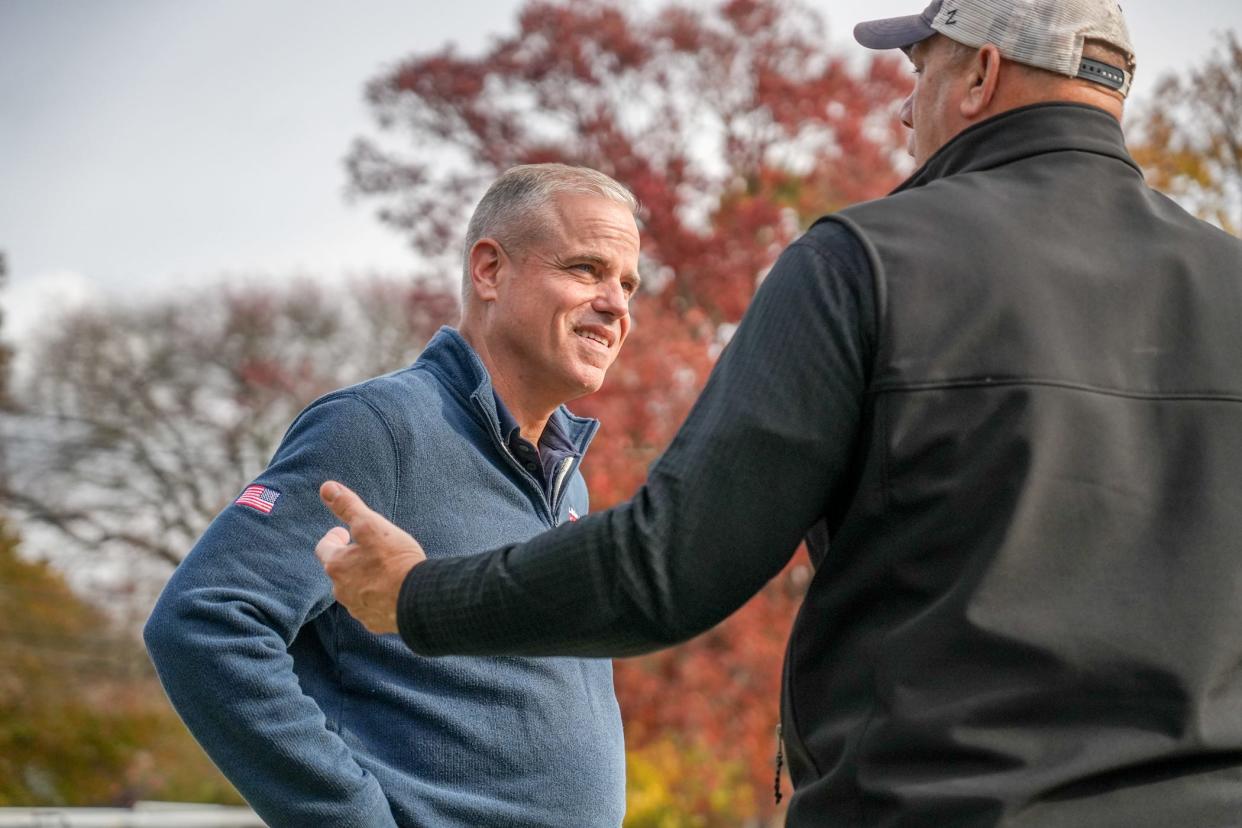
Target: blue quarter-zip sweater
[(321, 723)]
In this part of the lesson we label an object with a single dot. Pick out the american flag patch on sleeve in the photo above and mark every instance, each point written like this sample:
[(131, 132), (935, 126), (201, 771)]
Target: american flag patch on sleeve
[(260, 498)]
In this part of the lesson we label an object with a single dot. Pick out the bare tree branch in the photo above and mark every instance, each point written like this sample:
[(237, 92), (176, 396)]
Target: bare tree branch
[(142, 423), (1190, 137)]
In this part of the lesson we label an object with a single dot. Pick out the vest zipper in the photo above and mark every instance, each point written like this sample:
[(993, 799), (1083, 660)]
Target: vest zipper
[(780, 764)]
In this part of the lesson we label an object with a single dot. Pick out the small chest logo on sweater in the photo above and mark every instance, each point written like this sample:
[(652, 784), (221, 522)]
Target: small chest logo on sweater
[(572, 514)]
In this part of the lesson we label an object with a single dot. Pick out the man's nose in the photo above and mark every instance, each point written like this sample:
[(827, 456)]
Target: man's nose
[(907, 112), (611, 298)]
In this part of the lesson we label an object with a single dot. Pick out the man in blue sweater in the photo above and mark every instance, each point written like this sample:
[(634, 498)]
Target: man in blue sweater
[(321, 723)]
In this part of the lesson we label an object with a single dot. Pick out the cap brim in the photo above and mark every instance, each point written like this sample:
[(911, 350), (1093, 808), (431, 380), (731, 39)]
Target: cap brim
[(893, 32)]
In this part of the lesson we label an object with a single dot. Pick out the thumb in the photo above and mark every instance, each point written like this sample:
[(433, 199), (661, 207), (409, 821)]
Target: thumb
[(344, 503)]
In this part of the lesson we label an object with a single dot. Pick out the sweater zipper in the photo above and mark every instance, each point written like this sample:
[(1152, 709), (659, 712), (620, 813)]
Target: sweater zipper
[(562, 472), (504, 448), (543, 498), (550, 504)]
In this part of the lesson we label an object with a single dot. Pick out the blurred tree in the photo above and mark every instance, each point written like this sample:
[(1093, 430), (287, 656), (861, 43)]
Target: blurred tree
[(671, 784), (6, 351), (735, 126), (6, 399), (1190, 137), (142, 423), (82, 720)]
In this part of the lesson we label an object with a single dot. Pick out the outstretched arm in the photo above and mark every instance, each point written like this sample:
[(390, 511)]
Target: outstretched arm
[(765, 453)]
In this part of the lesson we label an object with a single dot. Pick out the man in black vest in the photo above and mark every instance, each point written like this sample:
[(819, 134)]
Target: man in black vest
[(1010, 396)]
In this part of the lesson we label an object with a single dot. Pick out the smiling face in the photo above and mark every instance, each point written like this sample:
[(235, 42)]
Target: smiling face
[(561, 307)]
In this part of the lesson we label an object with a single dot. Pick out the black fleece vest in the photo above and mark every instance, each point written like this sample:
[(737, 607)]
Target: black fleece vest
[(1031, 612)]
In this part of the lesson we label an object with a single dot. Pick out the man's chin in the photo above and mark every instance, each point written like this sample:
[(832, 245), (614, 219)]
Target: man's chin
[(586, 381)]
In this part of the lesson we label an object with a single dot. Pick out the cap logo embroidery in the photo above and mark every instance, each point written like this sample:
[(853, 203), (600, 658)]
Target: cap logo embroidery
[(951, 20)]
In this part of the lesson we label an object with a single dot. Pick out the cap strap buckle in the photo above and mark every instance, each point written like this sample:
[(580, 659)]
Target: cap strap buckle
[(1104, 74)]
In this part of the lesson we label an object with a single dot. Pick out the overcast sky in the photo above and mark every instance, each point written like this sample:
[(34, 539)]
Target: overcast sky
[(148, 145)]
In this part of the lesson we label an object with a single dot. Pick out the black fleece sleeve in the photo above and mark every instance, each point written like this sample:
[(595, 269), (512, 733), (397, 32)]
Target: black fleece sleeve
[(759, 459)]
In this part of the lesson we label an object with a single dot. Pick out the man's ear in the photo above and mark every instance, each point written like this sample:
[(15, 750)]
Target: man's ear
[(983, 78), (487, 266)]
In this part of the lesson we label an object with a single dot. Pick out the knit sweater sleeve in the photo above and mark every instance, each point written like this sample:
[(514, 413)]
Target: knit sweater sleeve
[(764, 455), (220, 634)]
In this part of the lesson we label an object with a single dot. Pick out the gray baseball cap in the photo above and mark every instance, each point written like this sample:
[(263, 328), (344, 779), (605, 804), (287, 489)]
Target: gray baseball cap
[(1049, 34)]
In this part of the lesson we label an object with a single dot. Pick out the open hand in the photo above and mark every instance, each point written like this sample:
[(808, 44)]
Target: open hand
[(366, 573)]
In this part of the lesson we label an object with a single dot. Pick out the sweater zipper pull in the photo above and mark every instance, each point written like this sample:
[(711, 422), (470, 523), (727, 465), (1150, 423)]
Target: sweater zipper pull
[(780, 764)]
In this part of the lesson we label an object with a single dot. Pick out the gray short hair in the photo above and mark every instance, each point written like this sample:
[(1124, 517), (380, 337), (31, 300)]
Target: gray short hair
[(512, 209)]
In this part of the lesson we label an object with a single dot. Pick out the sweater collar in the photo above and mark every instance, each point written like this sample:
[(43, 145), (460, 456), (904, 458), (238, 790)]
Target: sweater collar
[(452, 357), (1022, 133)]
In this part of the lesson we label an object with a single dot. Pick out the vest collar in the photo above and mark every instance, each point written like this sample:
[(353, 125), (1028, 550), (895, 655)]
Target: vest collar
[(1022, 133)]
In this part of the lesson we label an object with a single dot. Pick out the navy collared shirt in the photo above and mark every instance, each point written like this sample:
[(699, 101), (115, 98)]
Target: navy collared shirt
[(554, 446)]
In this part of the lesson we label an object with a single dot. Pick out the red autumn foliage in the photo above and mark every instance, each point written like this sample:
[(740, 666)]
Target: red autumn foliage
[(735, 127)]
